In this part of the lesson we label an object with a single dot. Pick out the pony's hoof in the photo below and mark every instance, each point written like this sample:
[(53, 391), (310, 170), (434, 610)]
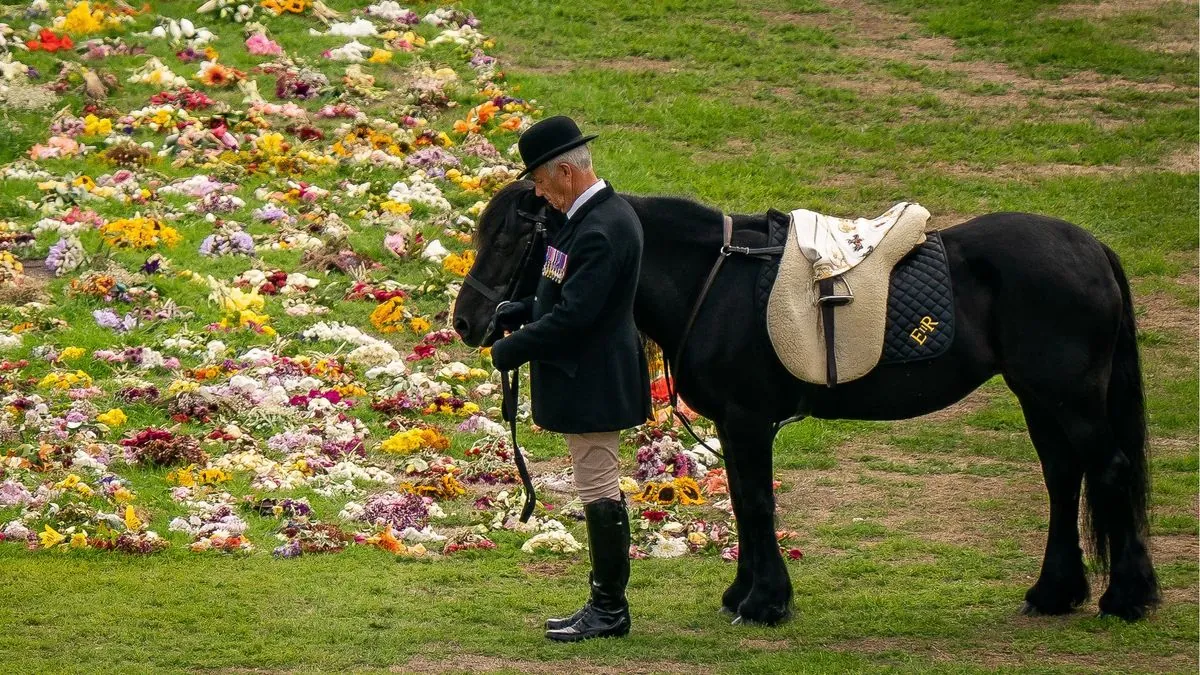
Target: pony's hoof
[(1028, 609), (726, 611), (764, 613)]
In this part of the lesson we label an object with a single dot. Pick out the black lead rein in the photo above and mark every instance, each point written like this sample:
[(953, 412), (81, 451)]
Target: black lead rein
[(727, 249)]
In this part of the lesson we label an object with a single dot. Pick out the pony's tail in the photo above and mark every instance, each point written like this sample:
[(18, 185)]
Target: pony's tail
[(1118, 486)]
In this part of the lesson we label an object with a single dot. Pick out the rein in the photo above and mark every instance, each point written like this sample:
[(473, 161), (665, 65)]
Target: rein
[(510, 389), (727, 249)]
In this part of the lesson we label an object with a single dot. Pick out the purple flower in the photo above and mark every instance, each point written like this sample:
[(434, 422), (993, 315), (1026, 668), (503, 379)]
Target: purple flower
[(289, 550), (400, 510), (269, 213), (13, 493), (54, 258), (107, 318), (430, 158)]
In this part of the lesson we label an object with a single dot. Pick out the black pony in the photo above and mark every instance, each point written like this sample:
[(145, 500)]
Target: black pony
[(1038, 300)]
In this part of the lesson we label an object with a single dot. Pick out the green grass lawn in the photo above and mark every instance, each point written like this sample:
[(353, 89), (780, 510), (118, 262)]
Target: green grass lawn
[(920, 537)]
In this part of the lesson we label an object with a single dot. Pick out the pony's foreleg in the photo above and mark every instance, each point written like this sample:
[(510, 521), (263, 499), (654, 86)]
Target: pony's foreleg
[(747, 440), (744, 579)]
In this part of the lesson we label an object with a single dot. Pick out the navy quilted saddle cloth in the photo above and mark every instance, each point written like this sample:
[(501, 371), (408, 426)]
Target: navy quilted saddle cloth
[(920, 313)]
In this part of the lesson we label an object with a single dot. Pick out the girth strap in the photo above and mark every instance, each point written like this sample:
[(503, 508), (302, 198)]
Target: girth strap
[(825, 286), (727, 249)]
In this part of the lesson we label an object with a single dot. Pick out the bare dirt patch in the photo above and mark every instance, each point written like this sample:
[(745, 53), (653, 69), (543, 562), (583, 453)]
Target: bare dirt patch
[(637, 64), (904, 501), (1107, 8), (1171, 547), (878, 37), (1164, 312), (765, 645), (551, 569), (997, 652), (476, 663)]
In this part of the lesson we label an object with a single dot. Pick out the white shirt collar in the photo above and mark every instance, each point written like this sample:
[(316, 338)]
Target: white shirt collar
[(587, 194)]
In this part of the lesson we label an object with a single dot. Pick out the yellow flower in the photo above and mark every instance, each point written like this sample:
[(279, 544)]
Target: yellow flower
[(79, 540), (67, 483), (96, 126), (272, 144), (419, 325), (389, 315), (84, 490), (459, 265), (71, 353), (122, 495), (400, 208), (82, 20), (113, 418), (688, 491), (50, 537), (380, 56), (132, 522)]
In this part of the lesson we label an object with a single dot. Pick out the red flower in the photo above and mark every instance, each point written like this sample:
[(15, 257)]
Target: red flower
[(795, 554), (654, 516), (48, 41)]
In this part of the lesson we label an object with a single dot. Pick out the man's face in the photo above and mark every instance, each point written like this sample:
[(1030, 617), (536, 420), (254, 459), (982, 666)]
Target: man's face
[(553, 183)]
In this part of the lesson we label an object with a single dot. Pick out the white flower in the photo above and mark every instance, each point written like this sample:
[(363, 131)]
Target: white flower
[(353, 52), (352, 511), (373, 354), (558, 541), (420, 191), (435, 251), (666, 547), (8, 342), (358, 28), (215, 349)]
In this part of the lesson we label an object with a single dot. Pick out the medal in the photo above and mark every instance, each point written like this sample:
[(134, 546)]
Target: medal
[(555, 268)]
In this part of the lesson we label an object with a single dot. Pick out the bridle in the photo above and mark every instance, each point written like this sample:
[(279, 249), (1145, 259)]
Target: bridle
[(509, 390)]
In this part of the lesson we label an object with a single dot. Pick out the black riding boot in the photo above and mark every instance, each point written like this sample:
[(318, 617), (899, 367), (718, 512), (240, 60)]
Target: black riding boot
[(606, 614), (555, 624)]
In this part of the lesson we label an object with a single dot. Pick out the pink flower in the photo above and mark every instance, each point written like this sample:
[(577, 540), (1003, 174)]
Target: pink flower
[(261, 45), (396, 243)]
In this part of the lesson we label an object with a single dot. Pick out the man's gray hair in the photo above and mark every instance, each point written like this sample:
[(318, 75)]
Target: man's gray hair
[(579, 157)]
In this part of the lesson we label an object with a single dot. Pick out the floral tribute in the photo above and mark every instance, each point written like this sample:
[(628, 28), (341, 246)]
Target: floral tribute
[(227, 268)]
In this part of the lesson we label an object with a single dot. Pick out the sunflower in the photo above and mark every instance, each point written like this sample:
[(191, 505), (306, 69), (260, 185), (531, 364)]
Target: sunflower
[(648, 494), (667, 494), (688, 490)]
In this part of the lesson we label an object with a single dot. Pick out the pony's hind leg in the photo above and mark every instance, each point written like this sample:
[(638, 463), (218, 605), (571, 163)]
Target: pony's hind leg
[(1062, 585), (747, 440)]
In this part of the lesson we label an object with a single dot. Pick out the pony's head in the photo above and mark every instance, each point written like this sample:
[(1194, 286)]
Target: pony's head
[(505, 260)]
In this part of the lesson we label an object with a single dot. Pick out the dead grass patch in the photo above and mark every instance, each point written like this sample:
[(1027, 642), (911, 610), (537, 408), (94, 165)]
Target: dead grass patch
[(477, 663), (1165, 312), (904, 502), (549, 569)]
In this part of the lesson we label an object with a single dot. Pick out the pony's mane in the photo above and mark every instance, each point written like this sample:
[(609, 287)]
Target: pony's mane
[(498, 207), (679, 220)]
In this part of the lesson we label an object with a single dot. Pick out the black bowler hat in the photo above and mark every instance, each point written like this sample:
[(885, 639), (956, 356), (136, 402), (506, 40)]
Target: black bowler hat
[(548, 139)]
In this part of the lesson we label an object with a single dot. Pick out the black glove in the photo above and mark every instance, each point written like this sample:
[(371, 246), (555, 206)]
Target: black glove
[(502, 359), (510, 315)]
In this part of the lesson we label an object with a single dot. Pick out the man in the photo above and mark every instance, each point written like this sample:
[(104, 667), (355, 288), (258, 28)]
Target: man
[(588, 371)]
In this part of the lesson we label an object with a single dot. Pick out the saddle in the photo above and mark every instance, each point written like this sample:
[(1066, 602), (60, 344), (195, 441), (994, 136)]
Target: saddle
[(828, 308)]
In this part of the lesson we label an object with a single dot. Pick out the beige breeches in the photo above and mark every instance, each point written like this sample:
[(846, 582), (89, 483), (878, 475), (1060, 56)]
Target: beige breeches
[(594, 459)]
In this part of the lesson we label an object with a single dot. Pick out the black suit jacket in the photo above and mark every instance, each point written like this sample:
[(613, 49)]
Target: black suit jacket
[(588, 368)]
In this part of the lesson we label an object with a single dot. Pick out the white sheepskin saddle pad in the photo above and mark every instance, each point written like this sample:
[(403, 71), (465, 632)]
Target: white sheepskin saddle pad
[(858, 255)]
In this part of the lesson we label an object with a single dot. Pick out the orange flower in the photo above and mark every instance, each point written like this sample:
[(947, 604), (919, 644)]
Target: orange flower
[(486, 111), (511, 124)]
